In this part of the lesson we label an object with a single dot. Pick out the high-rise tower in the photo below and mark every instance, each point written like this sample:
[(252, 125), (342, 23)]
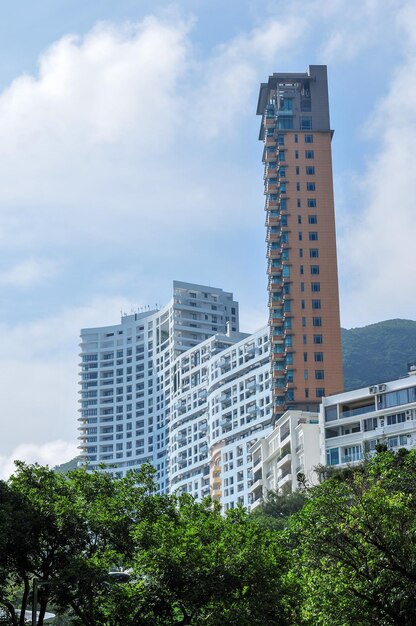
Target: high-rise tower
[(301, 245)]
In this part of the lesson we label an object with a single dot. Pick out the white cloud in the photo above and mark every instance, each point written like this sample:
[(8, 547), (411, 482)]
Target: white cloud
[(51, 453), (28, 272), (96, 144), (39, 373), (353, 30), (380, 241), (231, 76)]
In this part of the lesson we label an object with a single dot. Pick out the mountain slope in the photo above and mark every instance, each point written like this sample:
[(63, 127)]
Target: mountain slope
[(378, 352)]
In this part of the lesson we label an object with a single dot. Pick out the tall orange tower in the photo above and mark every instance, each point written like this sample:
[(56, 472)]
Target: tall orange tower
[(301, 243)]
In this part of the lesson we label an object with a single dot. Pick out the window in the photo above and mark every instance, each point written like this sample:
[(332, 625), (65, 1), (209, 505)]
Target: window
[(317, 321), (301, 254), (284, 123), (320, 392), (310, 186), (318, 356), (313, 236), (396, 419), (306, 392), (301, 269), (280, 140), (306, 123), (311, 203), (296, 137), (297, 170), (315, 286), (305, 357), (298, 203), (370, 424), (299, 219), (314, 269), (305, 340), (313, 253), (352, 453), (300, 235), (312, 219), (317, 339), (305, 374), (309, 154), (319, 375), (297, 186), (303, 304), (332, 456), (296, 154), (282, 172), (283, 204), (303, 322), (308, 138), (316, 304), (302, 286)]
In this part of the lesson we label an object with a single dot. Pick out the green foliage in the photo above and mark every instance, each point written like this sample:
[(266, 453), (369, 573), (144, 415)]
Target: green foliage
[(378, 352), (342, 553), (276, 511), (356, 550), (188, 564)]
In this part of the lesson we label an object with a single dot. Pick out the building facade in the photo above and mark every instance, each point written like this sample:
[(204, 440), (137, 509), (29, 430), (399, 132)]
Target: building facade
[(221, 404), (179, 388), (301, 244), (354, 422), (291, 448), (126, 377)]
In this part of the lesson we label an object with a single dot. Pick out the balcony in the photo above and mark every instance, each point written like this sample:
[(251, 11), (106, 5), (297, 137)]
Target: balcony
[(285, 481), (284, 459), (257, 486), (225, 397)]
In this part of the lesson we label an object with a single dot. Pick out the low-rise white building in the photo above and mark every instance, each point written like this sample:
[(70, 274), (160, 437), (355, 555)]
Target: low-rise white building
[(354, 422), (291, 448)]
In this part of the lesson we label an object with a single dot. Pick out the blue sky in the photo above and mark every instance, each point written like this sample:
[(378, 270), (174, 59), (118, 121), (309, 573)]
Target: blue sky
[(129, 158)]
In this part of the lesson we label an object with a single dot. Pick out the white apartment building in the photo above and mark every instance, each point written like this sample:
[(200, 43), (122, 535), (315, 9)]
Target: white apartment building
[(292, 447), (221, 404), (177, 387), (126, 377), (354, 422)]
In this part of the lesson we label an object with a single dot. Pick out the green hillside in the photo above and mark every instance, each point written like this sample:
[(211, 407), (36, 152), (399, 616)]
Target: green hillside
[(68, 466), (378, 352)]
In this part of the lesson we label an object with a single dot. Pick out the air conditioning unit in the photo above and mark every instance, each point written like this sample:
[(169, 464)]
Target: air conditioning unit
[(372, 390), (409, 413), (382, 387)]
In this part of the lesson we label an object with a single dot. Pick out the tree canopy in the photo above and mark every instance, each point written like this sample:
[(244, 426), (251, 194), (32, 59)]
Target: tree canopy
[(342, 553)]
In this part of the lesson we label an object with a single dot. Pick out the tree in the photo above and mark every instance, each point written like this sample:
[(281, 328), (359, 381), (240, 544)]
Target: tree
[(19, 524), (276, 511), (355, 546), (205, 568), (188, 564), (79, 526)]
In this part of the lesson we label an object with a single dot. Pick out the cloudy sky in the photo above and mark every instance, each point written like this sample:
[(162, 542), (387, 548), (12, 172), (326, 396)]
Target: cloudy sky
[(129, 158)]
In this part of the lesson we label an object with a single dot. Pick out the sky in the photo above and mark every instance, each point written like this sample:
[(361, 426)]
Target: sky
[(129, 157)]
